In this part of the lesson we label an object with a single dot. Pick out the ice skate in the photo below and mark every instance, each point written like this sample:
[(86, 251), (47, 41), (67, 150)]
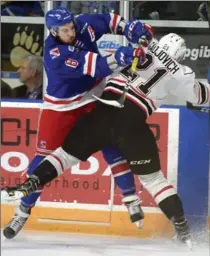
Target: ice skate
[(136, 214), (17, 222), (182, 231)]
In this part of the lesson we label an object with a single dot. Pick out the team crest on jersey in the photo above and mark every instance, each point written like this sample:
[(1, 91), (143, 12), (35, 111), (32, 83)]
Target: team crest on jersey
[(91, 33), (55, 53), (71, 48), (71, 63)]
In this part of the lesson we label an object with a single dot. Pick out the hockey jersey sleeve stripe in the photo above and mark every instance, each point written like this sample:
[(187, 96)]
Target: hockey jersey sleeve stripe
[(117, 81), (144, 101), (114, 22), (203, 92), (90, 64), (62, 101), (148, 100)]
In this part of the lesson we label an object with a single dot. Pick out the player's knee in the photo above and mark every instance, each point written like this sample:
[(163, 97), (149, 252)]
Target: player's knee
[(61, 160), (157, 185)]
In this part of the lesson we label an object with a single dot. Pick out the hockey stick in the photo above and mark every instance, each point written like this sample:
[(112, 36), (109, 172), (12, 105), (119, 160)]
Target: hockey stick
[(122, 99), (197, 108)]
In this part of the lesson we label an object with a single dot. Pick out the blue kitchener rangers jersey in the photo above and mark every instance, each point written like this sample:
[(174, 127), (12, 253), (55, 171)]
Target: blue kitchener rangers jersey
[(74, 72)]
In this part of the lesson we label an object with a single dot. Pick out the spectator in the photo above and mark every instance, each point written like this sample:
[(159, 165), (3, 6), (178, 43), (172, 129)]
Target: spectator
[(21, 8), (31, 74), (202, 12), (149, 9), (208, 11), (6, 90), (103, 6), (84, 7), (77, 7)]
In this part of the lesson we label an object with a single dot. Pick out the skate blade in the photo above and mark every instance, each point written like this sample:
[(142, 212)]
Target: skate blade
[(139, 224), (17, 195), (189, 244)]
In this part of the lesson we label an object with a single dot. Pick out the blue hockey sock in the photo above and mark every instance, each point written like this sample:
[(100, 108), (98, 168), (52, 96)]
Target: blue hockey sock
[(121, 172)]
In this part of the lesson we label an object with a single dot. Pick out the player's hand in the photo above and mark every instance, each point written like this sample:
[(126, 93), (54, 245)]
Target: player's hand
[(125, 55), (135, 30)]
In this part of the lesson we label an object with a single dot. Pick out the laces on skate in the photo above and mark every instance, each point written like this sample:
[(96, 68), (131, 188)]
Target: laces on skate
[(17, 192)]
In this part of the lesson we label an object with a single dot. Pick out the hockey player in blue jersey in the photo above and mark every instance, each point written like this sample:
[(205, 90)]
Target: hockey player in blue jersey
[(75, 71)]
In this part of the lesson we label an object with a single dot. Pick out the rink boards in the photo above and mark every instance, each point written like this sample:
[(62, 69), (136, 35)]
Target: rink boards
[(84, 199)]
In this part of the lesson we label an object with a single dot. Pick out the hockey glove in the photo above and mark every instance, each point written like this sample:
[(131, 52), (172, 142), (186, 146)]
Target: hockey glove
[(135, 30), (125, 55)]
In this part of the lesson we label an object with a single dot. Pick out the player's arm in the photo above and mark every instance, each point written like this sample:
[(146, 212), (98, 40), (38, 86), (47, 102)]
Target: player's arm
[(196, 92), (71, 62), (192, 90), (113, 23), (201, 92), (108, 23)]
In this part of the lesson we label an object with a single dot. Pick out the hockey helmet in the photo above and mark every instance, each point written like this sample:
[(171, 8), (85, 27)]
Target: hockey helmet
[(174, 45), (58, 17)]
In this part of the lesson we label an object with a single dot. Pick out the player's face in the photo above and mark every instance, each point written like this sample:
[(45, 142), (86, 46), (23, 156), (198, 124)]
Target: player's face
[(67, 33), (25, 72)]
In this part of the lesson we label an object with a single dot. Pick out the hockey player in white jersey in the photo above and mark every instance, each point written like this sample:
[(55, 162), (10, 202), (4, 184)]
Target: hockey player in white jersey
[(163, 74), (159, 75)]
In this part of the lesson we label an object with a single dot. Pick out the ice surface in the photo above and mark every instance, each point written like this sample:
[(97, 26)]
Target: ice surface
[(63, 244)]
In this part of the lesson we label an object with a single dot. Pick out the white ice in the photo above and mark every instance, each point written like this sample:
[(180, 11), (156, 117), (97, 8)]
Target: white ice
[(65, 244)]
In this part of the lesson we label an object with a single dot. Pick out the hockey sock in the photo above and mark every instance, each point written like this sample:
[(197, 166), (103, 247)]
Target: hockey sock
[(121, 172), (172, 207), (54, 165), (46, 172), (163, 193), (125, 181), (30, 201)]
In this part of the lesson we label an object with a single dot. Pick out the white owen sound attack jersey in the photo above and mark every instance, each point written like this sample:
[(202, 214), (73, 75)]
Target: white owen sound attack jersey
[(157, 77)]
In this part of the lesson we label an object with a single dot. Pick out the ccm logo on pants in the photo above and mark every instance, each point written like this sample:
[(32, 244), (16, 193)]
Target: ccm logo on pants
[(140, 162)]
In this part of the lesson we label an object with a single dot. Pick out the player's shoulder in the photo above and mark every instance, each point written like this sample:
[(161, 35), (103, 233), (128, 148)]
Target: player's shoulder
[(82, 19), (188, 75), (187, 71), (57, 51), (51, 43)]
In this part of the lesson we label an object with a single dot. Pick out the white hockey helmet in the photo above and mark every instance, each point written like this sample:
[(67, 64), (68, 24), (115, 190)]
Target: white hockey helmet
[(174, 45)]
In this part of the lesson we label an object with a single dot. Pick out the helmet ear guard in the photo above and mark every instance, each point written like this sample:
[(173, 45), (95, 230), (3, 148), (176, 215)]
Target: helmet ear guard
[(54, 32)]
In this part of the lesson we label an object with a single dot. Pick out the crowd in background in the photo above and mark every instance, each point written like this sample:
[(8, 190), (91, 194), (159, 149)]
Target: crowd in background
[(31, 86), (172, 10)]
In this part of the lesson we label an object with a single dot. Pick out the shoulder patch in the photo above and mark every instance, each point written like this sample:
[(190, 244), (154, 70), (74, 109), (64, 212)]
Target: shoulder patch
[(55, 53)]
